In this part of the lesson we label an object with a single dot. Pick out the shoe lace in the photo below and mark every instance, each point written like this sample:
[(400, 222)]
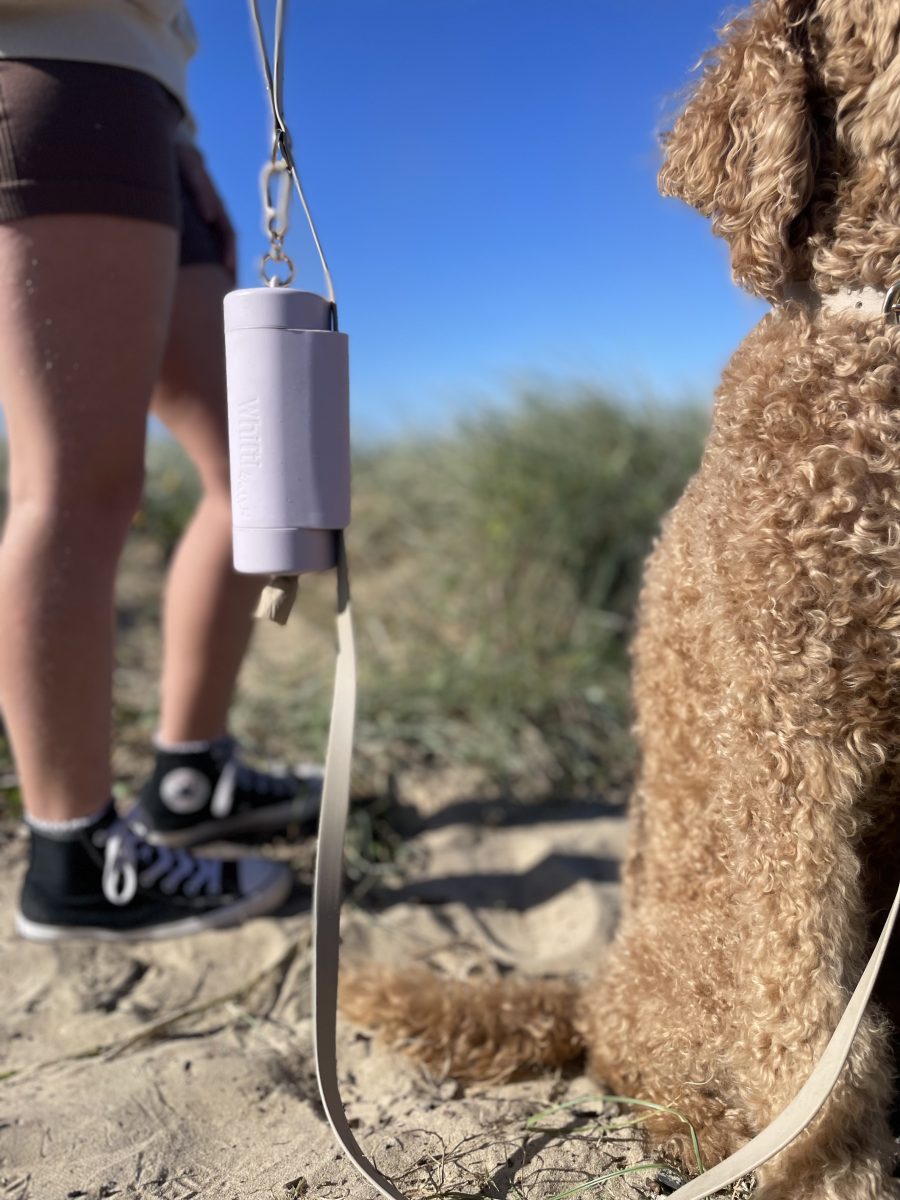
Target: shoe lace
[(130, 862)]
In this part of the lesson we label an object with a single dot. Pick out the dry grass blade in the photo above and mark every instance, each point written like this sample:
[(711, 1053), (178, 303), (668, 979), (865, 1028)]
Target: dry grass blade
[(532, 1122)]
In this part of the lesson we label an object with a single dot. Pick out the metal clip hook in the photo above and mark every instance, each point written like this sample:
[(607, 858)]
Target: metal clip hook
[(275, 182), (891, 306), (276, 210)]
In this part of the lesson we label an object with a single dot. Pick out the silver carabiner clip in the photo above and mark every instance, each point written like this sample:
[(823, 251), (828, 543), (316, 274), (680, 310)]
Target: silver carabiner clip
[(275, 183), (891, 306)]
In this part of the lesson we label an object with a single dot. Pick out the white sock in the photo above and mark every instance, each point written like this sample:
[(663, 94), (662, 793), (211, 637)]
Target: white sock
[(61, 828), (187, 747)]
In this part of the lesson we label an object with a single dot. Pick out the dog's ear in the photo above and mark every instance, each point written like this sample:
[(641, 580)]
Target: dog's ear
[(742, 151)]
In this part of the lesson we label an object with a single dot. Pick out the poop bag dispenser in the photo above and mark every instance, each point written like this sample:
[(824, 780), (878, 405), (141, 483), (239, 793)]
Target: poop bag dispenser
[(288, 430)]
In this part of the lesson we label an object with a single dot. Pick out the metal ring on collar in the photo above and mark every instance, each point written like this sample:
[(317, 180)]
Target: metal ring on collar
[(891, 307)]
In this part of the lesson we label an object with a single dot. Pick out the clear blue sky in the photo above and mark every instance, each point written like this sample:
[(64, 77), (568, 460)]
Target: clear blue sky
[(482, 174)]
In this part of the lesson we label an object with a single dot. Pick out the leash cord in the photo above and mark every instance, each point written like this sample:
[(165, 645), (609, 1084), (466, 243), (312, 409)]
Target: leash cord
[(328, 886), (283, 152), (335, 804)]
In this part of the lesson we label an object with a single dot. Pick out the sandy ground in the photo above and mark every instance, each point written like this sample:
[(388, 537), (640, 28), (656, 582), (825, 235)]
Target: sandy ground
[(183, 1068)]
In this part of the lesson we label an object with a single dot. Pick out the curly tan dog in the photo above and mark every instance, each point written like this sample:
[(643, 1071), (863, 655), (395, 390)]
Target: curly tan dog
[(764, 835)]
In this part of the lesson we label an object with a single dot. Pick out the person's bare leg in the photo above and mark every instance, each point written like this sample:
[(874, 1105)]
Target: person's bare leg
[(86, 302), (208, 605)]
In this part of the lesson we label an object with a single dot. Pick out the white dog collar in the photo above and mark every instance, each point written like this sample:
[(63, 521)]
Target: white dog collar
[(863, 302)]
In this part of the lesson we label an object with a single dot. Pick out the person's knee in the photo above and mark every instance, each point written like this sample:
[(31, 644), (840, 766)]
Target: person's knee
[(98, 506)]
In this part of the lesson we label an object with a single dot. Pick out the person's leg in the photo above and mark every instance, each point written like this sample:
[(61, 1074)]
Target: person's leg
[(88, 259), (208, 605), (86, 302)]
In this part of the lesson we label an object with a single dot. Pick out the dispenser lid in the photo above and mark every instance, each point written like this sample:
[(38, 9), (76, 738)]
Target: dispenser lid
[(276, 308)]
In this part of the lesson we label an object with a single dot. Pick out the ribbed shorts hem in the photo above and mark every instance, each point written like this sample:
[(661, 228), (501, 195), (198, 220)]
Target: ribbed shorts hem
[(47, 197)]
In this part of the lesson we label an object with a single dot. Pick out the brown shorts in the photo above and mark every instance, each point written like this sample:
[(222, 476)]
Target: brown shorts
[(90, 138)]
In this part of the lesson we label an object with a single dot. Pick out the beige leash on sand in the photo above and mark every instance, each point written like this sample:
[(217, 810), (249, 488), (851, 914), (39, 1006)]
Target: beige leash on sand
[(327, 905), (329, 883), (326, 949)]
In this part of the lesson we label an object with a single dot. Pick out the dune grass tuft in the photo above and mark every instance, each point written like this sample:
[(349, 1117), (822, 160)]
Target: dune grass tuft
[(498, 570)]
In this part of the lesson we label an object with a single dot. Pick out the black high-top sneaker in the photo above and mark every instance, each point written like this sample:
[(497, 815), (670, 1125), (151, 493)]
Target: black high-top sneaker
[(206, 795), (103, 881)]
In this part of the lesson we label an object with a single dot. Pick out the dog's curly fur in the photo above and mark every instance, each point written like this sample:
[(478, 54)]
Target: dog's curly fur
[(764, 836)]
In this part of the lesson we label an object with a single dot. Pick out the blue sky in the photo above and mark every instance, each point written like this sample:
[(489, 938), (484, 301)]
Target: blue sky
[(482, 174)]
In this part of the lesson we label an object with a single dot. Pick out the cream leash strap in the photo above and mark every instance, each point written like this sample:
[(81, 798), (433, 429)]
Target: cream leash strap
[(329, 883), (326, 950), (801, 1110)]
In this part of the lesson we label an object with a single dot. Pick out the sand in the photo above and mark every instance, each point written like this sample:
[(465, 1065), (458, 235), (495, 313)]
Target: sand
[(183, 1068)]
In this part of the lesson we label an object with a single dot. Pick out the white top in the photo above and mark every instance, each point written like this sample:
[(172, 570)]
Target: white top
[(156, 37)]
